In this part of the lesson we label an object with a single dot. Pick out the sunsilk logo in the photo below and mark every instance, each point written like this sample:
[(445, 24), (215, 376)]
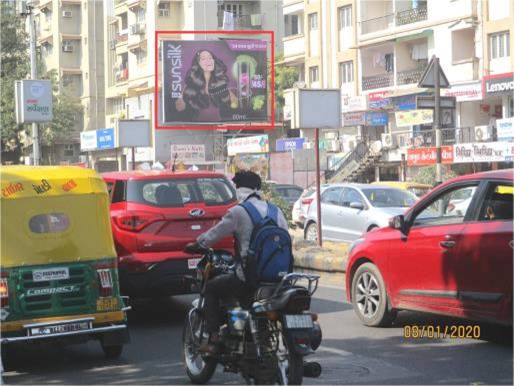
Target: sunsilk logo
[(174, 55)]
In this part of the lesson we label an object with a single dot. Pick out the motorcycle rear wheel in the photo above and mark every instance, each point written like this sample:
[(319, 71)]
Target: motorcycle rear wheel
[(198, 369)]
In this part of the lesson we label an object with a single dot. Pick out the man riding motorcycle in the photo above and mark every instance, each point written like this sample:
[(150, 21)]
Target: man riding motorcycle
[(236, 222)]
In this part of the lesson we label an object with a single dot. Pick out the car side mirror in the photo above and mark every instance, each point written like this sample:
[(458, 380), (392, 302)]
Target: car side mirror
[(357, 205), (397, 222)]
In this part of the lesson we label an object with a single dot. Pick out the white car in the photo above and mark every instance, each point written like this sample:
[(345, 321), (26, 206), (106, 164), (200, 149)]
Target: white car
[(301, 206)]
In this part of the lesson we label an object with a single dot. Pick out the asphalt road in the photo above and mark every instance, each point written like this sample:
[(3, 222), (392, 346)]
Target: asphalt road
[(350, 353)]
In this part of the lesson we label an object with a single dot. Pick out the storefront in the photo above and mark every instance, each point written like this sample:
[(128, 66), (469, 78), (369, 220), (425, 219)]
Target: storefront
[(498, 93)]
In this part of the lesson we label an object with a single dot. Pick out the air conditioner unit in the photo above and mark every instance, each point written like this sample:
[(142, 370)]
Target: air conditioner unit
[(142, 28), (134, 29), (66, 14), (388, 141), (333, 146), (67, 48), (483, 133)]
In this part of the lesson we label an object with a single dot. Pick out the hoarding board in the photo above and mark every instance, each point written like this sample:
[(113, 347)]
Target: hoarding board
[(134, 133), (413, 117), (33, 101), (253, 144), (215, 81)]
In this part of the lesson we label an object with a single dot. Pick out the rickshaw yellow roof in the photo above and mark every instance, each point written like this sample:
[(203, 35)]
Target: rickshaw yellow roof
[(40, 181)]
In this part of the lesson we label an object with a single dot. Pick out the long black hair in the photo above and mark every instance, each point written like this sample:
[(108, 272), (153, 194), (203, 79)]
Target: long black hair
[(194, 93)]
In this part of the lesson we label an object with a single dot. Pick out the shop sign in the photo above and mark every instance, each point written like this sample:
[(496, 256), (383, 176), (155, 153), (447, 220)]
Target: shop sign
[(424, 156), (88, 140), (376, 119), (505, 129), (480, 152), (254, 144), (354, 103), (105, 139), (413, 117), (407, 102), (354, 119), (288, 144), (509, 152), (188, 154), (464, 92), (499, 84), (381, 104), (379, 95)]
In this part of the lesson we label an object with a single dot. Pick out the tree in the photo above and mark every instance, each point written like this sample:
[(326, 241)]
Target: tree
[(426, 175), (285, 77), (14, 66)]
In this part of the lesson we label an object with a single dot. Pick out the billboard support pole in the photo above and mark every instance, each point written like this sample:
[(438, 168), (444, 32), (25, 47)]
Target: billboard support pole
[(437, 121), (318, 184), (133, 158), (33, 75)]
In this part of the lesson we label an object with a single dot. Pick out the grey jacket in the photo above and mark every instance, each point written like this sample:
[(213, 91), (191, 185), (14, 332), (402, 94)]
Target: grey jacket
[(238, 223)]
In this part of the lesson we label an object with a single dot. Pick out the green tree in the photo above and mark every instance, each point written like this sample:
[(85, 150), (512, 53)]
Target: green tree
[(426, 175), (269, 194), (14, 66), (285, 76)]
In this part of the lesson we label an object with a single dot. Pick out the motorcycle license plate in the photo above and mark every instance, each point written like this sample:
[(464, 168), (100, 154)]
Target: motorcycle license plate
[(299, 321), (192, 263)]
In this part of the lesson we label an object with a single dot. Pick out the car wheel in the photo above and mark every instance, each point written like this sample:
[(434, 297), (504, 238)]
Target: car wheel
[(369, 297), (311, 232)]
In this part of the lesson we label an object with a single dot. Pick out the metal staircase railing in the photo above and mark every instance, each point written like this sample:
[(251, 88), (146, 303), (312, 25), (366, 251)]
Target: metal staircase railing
[(349, 163)]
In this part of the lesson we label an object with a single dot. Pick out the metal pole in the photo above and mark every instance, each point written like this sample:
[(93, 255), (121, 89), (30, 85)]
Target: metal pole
[(33, 75), (318, 193), (437, 126), (133, 158)]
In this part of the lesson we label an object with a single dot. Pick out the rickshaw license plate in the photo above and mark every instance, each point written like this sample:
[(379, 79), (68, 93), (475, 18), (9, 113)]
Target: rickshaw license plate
[(192, 263), (299, 321), (60, 328), (106, 304)]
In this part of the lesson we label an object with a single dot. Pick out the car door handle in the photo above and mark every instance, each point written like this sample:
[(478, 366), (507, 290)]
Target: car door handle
[(511, 243), (448, 242)]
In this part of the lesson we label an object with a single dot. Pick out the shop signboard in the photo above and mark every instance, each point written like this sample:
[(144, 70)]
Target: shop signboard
[(414, 117), (381, 104), (354, 119), (189, 154), (253, 144), (406, 102), (505, 129), (288, 144), (376, 118), (466, 92), (424, 156), (33, 101), (105, 139), (498, 84), (480, 152), (88, 140), (355, 103)]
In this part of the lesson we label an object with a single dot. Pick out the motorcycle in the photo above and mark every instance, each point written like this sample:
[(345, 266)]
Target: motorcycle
[(266, 333)]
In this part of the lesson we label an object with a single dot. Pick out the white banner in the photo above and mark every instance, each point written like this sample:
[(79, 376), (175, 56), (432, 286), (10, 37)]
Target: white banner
[(464, 92), (254, 144), (188, 154), (88, 140), (481, 152), (505, 129)]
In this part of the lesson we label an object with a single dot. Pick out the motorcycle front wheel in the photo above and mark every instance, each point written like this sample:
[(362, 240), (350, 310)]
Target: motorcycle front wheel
[(198, 369)]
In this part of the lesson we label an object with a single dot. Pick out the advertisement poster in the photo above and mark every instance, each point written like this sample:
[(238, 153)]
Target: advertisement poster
[(413, 117), (424, 156), (188, 154), (505, 129), (214, 81), (288, 144), (257, 163), (253, 144)]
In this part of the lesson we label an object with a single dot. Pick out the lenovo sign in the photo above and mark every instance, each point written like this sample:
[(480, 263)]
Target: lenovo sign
[(500, 84)]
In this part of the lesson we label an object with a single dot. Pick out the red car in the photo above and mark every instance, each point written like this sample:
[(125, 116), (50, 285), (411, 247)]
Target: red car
[(439, 260), (154, 214)]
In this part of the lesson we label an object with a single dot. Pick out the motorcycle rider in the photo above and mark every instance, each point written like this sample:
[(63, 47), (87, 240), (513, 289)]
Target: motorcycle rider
[(238, 223)]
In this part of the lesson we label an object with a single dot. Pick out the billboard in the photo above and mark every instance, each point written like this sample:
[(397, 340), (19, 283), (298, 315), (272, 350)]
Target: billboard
[(188, 154), (33, 101), (253, 144), (213, 82)]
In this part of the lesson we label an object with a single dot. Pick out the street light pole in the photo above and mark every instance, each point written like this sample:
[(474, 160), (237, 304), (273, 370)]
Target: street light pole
[(33, 76)]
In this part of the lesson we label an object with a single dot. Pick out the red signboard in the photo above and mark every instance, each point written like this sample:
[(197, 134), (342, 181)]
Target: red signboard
[(428, 156)]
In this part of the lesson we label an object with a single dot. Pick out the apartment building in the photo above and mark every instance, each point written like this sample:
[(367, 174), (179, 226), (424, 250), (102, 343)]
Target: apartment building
[(70, 37), (129, 51), (389, 44)]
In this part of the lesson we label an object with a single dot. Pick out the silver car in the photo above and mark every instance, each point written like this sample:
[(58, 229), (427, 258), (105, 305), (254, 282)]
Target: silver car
[(349, 210)]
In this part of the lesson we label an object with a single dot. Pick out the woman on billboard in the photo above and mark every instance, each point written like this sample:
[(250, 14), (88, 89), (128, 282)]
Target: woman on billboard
[(206, 94)]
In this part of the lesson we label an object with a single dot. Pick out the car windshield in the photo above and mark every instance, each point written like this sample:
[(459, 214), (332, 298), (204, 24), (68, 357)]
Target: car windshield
[(389, 198), (177, 192)]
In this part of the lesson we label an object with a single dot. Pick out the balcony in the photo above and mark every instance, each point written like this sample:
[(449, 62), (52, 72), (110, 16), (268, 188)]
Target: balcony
[(121, 75), (242, 22), (377, 81), (294, 46), (392, 20)]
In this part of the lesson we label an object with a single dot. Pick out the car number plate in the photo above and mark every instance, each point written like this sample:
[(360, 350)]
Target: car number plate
[(192, 263), (59, 273), (60, 328), (107, 304), (299, 321)]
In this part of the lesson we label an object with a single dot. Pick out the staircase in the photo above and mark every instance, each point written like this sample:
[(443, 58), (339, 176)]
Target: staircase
[(353, 167)]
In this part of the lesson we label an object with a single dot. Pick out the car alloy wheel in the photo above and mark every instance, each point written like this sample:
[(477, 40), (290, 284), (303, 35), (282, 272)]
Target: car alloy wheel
[(311, 233), (368, 295)]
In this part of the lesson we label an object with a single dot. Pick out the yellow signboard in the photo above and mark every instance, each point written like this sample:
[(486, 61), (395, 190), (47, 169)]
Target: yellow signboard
[(414, 117)]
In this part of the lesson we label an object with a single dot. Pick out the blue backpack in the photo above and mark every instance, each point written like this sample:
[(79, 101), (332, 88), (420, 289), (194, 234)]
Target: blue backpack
[(270, 254)]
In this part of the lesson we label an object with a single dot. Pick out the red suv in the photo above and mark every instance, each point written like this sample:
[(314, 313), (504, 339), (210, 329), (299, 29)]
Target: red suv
[(154, 214), (450, 254)]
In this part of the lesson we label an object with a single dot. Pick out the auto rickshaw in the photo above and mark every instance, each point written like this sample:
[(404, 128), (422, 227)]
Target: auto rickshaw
[(59, 277)]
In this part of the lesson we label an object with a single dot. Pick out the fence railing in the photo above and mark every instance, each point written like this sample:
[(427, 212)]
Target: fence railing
[(426, 138), (409, 76), (377, 81), (354, 157), (412, 15), (397, 19)]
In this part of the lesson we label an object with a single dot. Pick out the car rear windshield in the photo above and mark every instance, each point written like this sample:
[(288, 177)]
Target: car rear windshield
[(173, 193), (389, 198)]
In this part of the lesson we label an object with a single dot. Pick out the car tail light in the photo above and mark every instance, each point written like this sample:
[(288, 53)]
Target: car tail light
[(4, 292), (135, 221), (105, 282), (307, 201)]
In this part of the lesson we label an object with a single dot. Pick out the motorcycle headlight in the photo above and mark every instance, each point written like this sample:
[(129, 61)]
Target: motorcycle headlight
[(354, 244)]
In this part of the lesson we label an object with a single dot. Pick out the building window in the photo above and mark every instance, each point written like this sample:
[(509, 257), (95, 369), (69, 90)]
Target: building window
[(140, 15), (69, 150), (292, 25), (313, 21), (67, 80), (140, 56), (345, 17), (164, 9), (499, 45), (463, 44), (313, 74), (346, 72)]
